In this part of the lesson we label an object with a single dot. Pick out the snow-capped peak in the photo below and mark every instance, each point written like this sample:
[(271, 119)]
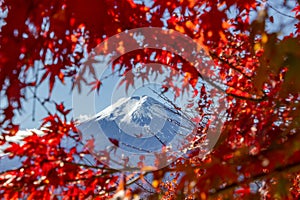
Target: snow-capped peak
[(134, 126), (133, 110)]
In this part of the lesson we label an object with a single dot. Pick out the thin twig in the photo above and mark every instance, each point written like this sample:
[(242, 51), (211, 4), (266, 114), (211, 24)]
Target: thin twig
[(34, 94), (178, 110), (279, 12), (252, 98), (214, 55), (145, 189), (41, 102)]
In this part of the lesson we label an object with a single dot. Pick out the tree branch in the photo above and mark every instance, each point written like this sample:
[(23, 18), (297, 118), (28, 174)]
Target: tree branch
[(215, 56), (253, 98), (256, 99), (294, 167)]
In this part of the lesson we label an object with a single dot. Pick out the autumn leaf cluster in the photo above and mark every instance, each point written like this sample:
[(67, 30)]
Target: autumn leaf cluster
[(258, 153)]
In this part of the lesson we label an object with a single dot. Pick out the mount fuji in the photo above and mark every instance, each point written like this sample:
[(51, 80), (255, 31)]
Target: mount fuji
[(138, 124)]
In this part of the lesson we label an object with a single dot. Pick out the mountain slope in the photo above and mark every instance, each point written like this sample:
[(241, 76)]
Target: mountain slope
[(135, 126)]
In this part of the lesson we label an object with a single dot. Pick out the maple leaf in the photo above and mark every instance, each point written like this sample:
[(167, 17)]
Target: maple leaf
[(61, 108), (114, 141), (128, 79), (52, 71), (257, 70), (96, 85)]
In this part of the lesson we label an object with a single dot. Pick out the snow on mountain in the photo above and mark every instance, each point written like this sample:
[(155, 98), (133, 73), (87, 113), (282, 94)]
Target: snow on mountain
[(135, 125), (18, 138), (5, 162), (131, 108)]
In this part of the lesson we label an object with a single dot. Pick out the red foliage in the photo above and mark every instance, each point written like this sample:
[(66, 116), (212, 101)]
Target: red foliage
[(257, 154)]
